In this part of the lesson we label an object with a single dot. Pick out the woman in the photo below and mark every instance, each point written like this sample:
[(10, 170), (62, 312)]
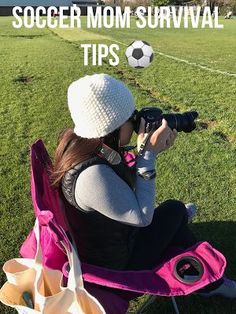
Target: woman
[(112, 212)]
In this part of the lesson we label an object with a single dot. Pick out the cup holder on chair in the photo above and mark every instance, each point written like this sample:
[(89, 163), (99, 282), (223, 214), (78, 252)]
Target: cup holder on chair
[(188, 269)]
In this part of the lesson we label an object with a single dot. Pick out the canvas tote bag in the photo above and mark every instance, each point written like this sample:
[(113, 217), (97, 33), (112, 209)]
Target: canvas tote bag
[(44, 285)]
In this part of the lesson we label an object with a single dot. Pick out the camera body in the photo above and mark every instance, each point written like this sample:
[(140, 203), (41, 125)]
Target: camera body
[(153, 119)]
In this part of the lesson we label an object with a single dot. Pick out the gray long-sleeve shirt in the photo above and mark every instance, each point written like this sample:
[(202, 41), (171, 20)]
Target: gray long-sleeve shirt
[(99, 188)]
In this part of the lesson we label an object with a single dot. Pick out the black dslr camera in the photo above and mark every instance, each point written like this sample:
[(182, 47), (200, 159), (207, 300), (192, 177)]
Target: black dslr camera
[(153, 120)]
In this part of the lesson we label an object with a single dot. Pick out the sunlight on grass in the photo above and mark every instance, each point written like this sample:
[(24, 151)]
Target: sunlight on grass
[(79, 35)]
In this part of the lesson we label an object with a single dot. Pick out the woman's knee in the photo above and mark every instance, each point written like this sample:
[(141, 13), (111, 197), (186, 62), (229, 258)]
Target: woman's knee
[(174, 208)]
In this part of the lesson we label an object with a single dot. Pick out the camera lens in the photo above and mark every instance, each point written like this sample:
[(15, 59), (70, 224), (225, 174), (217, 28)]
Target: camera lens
[(153, 119), (181, 122)]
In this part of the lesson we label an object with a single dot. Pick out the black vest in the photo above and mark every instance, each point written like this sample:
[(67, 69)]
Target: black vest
[(100, 240)]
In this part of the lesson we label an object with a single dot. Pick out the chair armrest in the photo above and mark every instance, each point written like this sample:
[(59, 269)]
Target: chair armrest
[(144, 281)]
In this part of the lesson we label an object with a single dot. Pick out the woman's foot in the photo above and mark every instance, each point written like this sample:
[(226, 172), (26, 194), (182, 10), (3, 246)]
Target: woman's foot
[(227, 289), (191, 210)]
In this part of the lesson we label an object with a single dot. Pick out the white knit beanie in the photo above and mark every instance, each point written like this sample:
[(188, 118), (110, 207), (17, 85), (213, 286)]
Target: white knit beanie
[(99, 104)]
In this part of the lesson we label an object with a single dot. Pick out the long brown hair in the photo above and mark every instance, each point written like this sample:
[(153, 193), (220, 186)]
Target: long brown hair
[(70, 151)]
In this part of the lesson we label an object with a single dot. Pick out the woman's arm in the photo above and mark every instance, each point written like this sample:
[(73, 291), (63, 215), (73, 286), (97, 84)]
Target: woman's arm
[(100, 188)]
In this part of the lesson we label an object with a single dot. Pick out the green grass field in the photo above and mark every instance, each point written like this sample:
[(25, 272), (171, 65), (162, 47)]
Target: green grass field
[(36, 67)]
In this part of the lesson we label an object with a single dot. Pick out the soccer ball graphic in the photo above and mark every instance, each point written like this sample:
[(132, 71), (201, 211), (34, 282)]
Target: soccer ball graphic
[(139, 54)]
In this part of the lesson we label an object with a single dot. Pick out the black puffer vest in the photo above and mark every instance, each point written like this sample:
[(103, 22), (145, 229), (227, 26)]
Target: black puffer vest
[(100, 240)]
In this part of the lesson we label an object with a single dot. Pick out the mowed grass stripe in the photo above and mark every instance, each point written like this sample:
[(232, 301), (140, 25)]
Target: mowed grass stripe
[(201, 37), (209, 47), (68, 34), (183, 61), (180, 84)]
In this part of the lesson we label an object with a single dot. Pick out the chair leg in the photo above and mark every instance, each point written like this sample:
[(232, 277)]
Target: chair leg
[(149, 301), (175, 305)]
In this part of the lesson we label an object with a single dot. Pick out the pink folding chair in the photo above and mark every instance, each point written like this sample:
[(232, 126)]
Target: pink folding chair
[(114, 289)]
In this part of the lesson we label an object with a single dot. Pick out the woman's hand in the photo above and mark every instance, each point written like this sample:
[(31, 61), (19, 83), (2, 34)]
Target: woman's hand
[(160, 140)]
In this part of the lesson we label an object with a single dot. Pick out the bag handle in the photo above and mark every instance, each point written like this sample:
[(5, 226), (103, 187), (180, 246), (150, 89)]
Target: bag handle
[(38, 256), (75, 279)]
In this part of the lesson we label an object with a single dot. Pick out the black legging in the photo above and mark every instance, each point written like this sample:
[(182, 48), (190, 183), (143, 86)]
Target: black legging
[(169, 227)]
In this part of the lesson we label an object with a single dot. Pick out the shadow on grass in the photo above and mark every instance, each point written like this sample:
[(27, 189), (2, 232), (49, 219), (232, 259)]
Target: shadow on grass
[(23, 36), (222, 235)]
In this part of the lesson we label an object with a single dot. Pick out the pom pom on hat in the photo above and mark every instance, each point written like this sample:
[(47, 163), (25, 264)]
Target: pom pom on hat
[(99, 104)]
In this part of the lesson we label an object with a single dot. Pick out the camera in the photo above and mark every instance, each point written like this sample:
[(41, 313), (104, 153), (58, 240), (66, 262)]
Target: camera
[(153, 119)]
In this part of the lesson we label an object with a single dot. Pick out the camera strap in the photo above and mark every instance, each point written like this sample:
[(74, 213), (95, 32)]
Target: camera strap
[(109, 154), (126, 170), (144, 142)]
